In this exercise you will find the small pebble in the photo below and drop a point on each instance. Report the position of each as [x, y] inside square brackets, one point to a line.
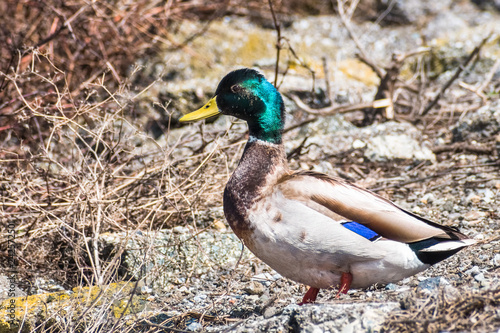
[194, 326]
[433, 283]
[479, 277]
[451, 292]
[270, 311]
[390, 286]
[252, 298]
[482, 257]
[358, 144]
[473, 198]
[473, 271]
[180, 230]
[486, 283]
[146, 290]
[448, 206]
[199, 298]
[479, 237]
[474, 215]
[254, 288]
[427, 198]
[488, 195]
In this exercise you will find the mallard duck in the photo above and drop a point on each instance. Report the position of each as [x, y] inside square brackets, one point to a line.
[310, 227]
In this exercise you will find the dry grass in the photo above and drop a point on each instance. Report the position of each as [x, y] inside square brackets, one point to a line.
[84, 180]
[73, 171]
[473, 311]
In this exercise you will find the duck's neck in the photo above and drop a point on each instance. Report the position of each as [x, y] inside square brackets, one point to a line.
[268, 130]
[260, 167]
[267, 124]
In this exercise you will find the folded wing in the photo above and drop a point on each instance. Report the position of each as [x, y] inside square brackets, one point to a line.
[345, 201]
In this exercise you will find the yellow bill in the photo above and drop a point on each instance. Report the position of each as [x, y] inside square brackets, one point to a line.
[206, 111]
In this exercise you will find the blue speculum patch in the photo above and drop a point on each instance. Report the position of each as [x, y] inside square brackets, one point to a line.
[361, 230]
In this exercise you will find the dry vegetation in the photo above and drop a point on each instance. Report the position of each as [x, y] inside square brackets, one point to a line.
[469, 312]
[69, 170]
[74, 163]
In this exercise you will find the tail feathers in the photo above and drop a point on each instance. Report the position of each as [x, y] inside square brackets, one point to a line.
[450, 232]
[449, 245]
[433, 250]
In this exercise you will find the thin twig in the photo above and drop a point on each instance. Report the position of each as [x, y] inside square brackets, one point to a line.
[363, 55]
[278, 42]
[459, 71]
[334, 109]
[464, 146]
[479, 90]
[327, 78]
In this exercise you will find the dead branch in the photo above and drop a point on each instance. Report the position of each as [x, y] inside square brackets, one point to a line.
[466, 147]
[277, 27]
[335, 109]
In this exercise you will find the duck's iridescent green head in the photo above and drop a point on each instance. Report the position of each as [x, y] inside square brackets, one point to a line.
[247, 95]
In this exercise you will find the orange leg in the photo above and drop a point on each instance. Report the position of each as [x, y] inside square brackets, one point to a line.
[310, 296]
[345, 283]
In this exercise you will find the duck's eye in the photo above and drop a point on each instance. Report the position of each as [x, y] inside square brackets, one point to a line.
[235, 88]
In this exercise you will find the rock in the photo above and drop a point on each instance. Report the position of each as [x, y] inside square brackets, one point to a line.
[479, 277]
[488, 195]
[381, 142]
[448, 206]
[357, 317]
[200, 298]
[252, 298]
[146, 290]
[194, 326]
[444, 22]
[269, 312]
[433, 283]
[472, 198]
[390, 286]
[473, 271]
[266, 278]
[167, 257]
[481, 124]
[396, 147]
[395, 141]
[474, 215]
[254, 288]
[428, 198]
[451, 292]
[324, 167]
[358, 144]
